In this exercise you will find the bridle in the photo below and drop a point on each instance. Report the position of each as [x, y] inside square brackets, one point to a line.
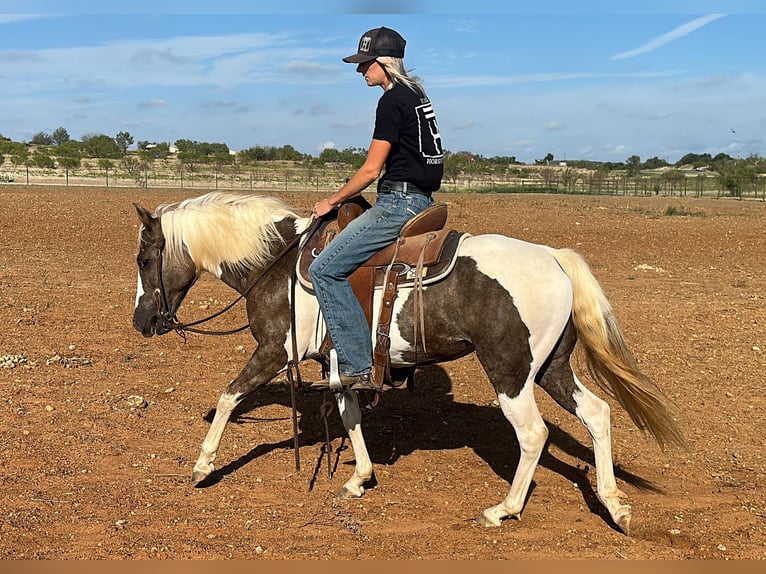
[169, 320]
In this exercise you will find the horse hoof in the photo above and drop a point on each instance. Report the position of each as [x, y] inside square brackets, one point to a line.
[346, 494]
[622, 520]
[200, 475]
[486, 521]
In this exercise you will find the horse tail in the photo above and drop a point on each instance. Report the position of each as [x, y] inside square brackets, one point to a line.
[609, 360]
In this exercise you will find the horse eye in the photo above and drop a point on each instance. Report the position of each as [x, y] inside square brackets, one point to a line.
[142, 263]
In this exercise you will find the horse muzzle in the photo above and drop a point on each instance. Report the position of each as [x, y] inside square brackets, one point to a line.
[149, 321]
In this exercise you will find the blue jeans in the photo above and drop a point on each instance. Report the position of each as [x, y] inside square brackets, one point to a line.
[361, 239]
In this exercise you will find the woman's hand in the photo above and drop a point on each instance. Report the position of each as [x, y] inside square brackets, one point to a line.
[323, 207]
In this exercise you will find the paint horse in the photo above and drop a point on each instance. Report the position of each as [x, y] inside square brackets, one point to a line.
[521, 307]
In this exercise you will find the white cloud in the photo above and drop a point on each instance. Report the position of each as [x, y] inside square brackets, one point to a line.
[220, 61]
[675, 34]
[492, 81]
[11, 18]
[154, 103]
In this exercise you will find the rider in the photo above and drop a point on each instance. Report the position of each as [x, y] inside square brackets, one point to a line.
[406, 141]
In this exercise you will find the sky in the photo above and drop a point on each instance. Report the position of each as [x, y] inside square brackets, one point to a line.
[580, 80]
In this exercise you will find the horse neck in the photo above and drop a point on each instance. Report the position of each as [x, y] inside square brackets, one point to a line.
[278, 266]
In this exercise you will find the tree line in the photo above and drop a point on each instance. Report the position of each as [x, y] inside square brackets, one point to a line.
[59, 150]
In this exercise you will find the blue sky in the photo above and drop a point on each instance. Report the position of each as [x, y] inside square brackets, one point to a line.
[580, 80]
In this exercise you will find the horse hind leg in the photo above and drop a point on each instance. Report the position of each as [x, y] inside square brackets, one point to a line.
[594, 413]
[531, 432]
[561, 383]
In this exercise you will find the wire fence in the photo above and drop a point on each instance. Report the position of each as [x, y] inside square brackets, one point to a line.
[291, 178]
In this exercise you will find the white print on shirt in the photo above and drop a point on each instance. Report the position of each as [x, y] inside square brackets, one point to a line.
[428, 133]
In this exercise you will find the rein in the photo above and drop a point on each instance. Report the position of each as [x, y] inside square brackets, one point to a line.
[170, 320]
[293, 372]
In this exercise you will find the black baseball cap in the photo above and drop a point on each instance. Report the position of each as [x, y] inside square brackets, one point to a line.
[378, 42]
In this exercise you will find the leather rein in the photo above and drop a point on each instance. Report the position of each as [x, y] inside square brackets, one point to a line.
[293, 372]
[168, 319]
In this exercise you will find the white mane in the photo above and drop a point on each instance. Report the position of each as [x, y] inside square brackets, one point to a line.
[219, 229]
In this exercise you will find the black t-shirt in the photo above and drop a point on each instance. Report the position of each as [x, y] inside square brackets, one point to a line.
[407, 120]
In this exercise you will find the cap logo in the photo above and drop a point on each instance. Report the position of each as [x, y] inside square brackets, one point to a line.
[364, 45]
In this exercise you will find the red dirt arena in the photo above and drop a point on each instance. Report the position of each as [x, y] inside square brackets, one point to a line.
[100, 427]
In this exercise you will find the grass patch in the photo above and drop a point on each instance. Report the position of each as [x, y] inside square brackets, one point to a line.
[672, 210]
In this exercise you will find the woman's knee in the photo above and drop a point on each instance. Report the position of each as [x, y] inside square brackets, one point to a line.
[315, 271]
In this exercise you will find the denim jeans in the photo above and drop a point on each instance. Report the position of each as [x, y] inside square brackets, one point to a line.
[363, 237]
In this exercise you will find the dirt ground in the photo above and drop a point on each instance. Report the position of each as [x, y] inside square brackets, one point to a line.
[91, 471]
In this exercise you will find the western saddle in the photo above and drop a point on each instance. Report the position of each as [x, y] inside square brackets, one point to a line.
[424, 253]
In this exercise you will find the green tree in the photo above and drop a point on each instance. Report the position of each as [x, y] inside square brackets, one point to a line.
[106, 164]
[123, 141]
[9, 147]
[42, 138]
[330, 155]
[101, 146]
[455, 164]
[150, 151]
[736, 177]
[255, 154]
[695, 160]
[546, 160]
[42, 160]
[60, 136]
[655, 163]
[20, 156]
[69, 149]
[190, 159]
[633, 165]
[69, 163]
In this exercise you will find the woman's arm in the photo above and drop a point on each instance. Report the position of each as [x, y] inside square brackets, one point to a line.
[364, 176]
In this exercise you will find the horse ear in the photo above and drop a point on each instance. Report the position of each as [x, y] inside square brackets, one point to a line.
[145, 216]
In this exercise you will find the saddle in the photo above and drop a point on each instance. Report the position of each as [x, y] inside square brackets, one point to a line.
[424, 253]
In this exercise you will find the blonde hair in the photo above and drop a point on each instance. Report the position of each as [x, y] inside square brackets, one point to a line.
[394, 67]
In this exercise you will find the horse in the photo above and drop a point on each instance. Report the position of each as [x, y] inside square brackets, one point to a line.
[520, 307]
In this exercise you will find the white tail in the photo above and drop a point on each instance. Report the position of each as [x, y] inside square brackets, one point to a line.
[610, 362]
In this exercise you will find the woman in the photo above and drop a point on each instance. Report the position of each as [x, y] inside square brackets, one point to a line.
[406, 142]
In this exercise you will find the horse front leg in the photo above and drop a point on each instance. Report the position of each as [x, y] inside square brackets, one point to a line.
[226, 405]
[261, 368]
[351, 414]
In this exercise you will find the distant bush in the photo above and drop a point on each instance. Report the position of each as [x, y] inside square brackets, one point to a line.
[682, 211]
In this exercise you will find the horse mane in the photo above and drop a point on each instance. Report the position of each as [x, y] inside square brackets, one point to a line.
[224, 229]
